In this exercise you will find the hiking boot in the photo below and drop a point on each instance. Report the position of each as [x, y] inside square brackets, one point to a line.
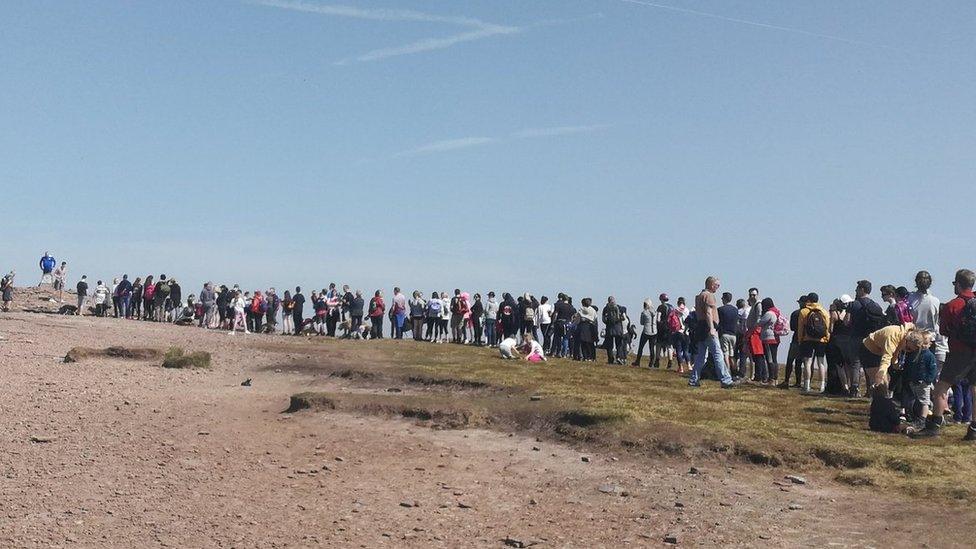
[970, 433]
[732, 385]
[694, 384]
[931, 430]
[784, 385]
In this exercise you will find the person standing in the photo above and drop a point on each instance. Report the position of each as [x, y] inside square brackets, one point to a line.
[728, 322]
[664, 348]
[793, 362]
[417, 305]
[148, 298]
[135, 303]
[586, 332]
[957, 323]
[648, 335]
[356, 306]
[47, 265]
[82, 289]
[706, 312]
[124, 292]
[477, 317]
[273, 303]
[60, 278]
[924, 308]
[544, 320]
[7, 290]
[377, 308]
[614, 330]
[866, 316]
[398, 312]
[297, 311]
[208, 300]
[814, 334]
[491, 317]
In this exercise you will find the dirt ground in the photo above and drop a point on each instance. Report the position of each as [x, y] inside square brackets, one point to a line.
[123, 453]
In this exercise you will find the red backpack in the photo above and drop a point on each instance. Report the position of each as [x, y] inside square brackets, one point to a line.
[675, 324]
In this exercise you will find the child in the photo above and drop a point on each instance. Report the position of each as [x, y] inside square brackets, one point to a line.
[533, 351]
[919, 371]
[507, 348]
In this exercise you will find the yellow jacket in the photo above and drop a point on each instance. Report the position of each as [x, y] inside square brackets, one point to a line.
[812, 308]
[888, 343]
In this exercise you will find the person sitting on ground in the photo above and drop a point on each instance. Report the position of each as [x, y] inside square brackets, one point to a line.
[507, 348]
[533, 350]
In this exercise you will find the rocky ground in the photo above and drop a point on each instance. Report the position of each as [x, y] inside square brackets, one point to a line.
[122, 453]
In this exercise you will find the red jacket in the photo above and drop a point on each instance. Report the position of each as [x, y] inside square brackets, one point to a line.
[377, 307]
[950, 319]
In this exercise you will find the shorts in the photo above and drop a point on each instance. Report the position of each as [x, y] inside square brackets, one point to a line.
[868, 359]
[810, 349]
[728, 343]
[922, 392]
[959, 365]
[59, 284]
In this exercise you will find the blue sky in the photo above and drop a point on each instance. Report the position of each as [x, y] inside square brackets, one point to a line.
[594, 146]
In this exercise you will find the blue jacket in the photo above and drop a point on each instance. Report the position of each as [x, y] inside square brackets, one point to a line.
[920, 366]
[48, 264]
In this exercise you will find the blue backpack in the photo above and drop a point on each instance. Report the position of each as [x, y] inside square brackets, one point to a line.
[434, 307]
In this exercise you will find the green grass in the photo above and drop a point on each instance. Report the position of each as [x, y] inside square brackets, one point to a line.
[176, 358]
[657, 409]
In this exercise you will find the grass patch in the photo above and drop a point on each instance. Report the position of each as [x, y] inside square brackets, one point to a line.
[77, 354]
[177, 358]
[654, 411]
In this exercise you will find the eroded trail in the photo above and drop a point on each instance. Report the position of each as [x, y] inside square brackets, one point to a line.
[112, 452]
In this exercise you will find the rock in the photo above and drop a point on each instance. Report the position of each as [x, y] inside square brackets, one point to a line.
[585, 459]
[671, 539]
[725, 504]
[463, 505]
[608, 488]
[532, 501]
[679, 505]
[409, 503]
[795, 479]
[535, 397]
[695, 471]
[515, 542]
[394, 390]
[43, 439]
[795, 507]
[339, 459]
[763, 536]
[535, 449]
[246, 383]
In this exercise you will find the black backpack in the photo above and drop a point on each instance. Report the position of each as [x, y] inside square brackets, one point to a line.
[967, 324]
[815, 326]
[613, 314]
[874, 318]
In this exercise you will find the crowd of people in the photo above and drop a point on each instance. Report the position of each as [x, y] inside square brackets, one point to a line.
[911, 351]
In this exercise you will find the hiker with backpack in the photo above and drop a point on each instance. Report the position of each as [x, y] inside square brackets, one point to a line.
[433, 317]
[614, 330]
[813, 329]
[866, 315]
[708, 343]
[958, 324]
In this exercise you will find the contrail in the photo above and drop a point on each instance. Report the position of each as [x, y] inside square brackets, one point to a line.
[759, 24]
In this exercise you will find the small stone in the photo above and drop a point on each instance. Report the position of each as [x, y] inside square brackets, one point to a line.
[535, 448]
[671, 539]
[535, 397]
[532, 501]
[463, 505]
[695, 471]
[725, 504]
[42, 439]
[203, 433]
[796, 479]
[679, 505]
[585, 459]
[795, 507]
[394, 390]
[763, 536]
[339, 459]
[409, 503]
[608, 488]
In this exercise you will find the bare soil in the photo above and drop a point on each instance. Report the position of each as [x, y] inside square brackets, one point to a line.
[119, 452]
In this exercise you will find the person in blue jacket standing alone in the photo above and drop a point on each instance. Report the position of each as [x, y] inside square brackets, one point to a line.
[47, 263]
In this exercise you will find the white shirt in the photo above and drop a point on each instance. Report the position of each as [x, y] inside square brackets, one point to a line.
[544, 314]
[507, 345]
[925, 313]
[535, 348]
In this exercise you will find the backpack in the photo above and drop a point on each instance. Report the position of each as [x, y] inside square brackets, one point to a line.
[674, 322]
[613, 314]
[529, 314]
[455, 305]
[782, 326]
[874, 320]
[434, 307]
[967, 324]
[256, 305]
[815, 326]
